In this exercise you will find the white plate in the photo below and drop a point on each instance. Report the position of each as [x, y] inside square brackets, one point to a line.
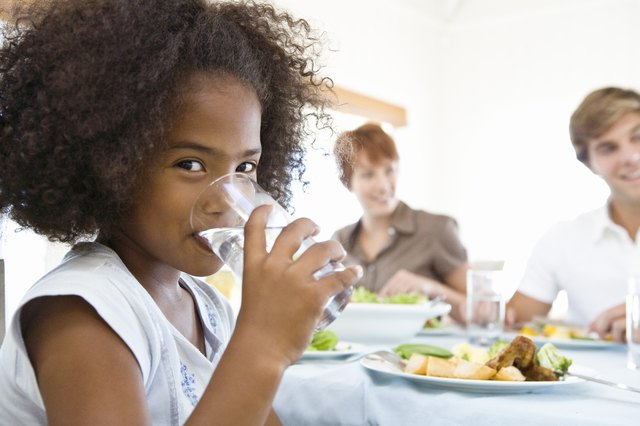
[343, 349]
[568, 343]
[575, 343]
[465, 385]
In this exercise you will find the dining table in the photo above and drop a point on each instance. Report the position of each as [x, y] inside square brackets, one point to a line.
[341, 391]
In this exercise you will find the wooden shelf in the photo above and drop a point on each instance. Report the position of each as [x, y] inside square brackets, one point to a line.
[356, 103]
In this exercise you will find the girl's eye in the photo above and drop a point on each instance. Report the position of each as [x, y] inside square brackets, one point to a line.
[247, 167]
[191, 165]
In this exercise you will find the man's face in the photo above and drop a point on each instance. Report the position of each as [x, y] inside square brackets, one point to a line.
[615, 156]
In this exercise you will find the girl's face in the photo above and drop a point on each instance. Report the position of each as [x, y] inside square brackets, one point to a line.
[374, 184]
[216, 131]
[615, 156]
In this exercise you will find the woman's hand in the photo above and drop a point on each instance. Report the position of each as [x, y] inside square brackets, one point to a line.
[281, 300]
[611, 322]
[404, 281]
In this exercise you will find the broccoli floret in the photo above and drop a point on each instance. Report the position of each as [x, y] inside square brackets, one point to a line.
[550, 357]
[497, 347]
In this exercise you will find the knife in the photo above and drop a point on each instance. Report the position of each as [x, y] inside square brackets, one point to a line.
[604, 382]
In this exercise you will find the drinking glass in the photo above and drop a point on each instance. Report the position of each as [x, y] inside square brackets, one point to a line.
[485, 304]
[633, 323]
[220, 213]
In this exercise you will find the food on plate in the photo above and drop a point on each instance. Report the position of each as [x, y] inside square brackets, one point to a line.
[432, 323]
[468, 352]
[473, 353]
[362, 295]
[549, 356]
[323, 340]
[517, 361]
[407, 349]
[540, 328]
[509, 374]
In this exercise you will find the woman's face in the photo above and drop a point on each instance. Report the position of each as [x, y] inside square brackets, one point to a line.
[374, 184]
[215, 132]
[615, 156]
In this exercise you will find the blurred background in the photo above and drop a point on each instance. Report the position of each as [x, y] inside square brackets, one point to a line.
[476, 93]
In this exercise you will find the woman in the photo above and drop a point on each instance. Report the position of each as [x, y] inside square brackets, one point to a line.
[401, 249]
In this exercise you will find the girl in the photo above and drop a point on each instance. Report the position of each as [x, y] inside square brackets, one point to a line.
[114, 116]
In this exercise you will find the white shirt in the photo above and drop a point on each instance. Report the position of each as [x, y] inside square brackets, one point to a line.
[590, 257]
[175, 373]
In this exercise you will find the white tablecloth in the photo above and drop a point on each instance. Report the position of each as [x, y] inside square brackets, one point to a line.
[346, 394]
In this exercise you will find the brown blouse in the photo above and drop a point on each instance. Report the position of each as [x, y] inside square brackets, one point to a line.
[423, 243]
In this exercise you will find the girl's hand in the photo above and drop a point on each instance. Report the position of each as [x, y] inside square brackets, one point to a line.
[281, 300]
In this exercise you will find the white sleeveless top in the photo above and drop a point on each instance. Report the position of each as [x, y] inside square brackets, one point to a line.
[175, 372]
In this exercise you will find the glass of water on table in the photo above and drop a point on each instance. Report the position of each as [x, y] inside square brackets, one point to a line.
[485, 308]
[220, 213]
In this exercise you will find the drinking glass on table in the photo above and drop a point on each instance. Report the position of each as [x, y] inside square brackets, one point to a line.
[485, 303]
[633, 323]
[228, 201]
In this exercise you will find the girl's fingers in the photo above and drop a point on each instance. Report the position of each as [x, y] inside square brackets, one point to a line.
[292, 237]
[339, 281]
[319, 255]
[254, 235]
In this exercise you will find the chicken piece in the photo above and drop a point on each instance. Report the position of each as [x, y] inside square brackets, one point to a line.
[519, 353]
[536, 373]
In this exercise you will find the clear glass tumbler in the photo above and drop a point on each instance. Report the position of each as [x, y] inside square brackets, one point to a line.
[220, 213]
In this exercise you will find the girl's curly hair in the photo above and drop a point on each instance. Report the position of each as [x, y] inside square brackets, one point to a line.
[86, 88]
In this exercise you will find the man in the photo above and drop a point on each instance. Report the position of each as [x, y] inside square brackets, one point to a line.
[593, 256]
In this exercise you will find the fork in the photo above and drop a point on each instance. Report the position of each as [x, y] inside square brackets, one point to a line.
[381, 355]
[386, 356]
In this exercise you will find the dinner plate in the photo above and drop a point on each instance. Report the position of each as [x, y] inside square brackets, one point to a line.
[343, 349]
[464, 385]
[570, 343]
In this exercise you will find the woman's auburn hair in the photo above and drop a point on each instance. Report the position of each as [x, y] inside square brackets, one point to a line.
[87, 89]
[369, 139]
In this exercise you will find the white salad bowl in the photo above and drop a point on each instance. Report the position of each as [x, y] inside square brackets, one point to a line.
[384, 323]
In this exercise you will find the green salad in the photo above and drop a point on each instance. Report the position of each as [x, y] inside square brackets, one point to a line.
[323, 340]
[362, 295]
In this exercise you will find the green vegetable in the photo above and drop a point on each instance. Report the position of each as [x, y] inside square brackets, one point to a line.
[405, 350]
[433, 323]
[550, 357]
[468, 352]
[497, 347]
[405, 298]
[362, 295]
[324, 340]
